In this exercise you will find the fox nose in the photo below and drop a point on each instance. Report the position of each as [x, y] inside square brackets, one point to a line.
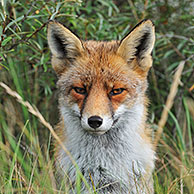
[95, 121]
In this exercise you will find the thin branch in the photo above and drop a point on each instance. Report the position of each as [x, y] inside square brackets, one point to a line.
[133, 9]
[144, 11]
[178, 37]
[35, 112]
[26, 40]
[169, 102]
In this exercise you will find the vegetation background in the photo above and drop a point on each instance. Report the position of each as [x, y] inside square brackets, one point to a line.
[25, 141]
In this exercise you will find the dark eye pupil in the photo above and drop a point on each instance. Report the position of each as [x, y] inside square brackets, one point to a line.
[80, 90]
[116, 91]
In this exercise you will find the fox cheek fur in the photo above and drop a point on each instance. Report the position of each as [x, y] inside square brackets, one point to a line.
[103, 108]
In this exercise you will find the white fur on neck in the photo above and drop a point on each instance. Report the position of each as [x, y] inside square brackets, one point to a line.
[121, 151]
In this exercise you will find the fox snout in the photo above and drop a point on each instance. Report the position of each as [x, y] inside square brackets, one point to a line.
[96, 114]
[95, 122]
[97, 125]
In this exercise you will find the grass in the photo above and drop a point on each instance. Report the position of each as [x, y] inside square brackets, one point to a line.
[26, 162]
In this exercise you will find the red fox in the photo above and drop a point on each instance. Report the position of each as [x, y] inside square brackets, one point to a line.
[103, 109]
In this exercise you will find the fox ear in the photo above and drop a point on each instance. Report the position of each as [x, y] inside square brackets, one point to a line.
[64, 45]
[138, 45]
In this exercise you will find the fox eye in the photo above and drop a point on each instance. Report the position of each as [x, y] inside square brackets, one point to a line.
[80, 90]
[116, 91]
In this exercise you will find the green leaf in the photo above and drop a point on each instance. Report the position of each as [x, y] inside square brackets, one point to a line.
[6, 40]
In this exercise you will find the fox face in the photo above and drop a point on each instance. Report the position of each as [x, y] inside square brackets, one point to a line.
[99, 82]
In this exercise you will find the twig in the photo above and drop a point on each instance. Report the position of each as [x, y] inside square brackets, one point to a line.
[144, 11]
[169, 102]
[26, 40]
[35, 112]
[28, 12]
[133, 9]
[175, 48]
[178, 37]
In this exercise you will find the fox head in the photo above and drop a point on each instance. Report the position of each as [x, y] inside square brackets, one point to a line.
[101, 83]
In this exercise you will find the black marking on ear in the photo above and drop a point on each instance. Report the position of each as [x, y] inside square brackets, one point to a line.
[60, 44]
[136, 27]
[143, 44]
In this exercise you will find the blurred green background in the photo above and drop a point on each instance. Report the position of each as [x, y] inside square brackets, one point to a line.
[25, 163]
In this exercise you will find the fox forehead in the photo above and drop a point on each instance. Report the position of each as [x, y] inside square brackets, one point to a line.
[100, 63]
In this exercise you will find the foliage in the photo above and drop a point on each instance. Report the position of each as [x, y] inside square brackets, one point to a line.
[25, 163]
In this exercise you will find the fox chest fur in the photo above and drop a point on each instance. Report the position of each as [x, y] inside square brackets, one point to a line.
[103, 110]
